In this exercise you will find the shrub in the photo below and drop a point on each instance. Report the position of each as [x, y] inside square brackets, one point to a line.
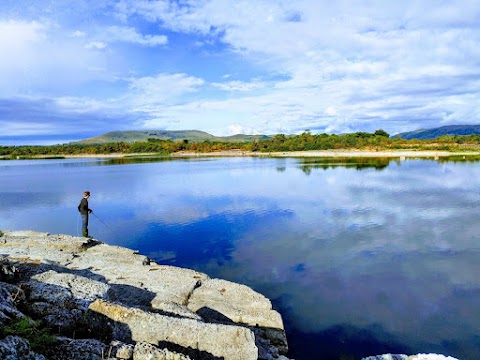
[40, 339]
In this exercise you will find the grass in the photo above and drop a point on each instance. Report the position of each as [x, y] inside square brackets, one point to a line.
[40, 339]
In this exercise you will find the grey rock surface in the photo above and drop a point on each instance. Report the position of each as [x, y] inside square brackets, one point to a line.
[239, 303]
[227, 302]
[81, 349]
[411, 357]
[211, 340]
[82, 287]
[120, 350]
[8, 272]
[8, 295]
[147, 351]
[17, 348]
[387, 357]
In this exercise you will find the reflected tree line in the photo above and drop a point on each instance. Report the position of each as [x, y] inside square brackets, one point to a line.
[377, 141]
[307, 165]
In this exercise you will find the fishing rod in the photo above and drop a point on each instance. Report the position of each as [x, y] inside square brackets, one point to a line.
[103, 222]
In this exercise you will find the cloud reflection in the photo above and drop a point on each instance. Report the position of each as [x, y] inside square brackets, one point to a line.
[394, 252]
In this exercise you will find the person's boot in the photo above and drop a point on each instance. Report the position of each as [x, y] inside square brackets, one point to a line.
[85, 233]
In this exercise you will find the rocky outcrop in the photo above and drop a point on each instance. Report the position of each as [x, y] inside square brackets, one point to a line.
[108, 302]
[411, 357]
[195, 337]
[16, 347]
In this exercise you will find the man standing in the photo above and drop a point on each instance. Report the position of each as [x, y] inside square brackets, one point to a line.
[84, 211]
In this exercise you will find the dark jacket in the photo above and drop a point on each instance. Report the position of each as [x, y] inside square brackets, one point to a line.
[83, 207]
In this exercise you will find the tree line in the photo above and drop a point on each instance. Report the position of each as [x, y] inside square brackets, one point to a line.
[376, 141]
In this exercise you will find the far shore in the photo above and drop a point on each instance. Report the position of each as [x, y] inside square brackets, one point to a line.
[334, 153]
[313, 153]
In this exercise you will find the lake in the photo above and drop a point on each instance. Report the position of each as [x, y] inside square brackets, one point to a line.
[360, 257]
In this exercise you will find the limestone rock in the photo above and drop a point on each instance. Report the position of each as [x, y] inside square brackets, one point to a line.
[37, 247]
[160, 287]
[387, 357]
[412, 357]
[54, 304]
[183, 309]
[128, 324]
[237, 302]
[81, 288]
[82, 349]
[8, 310]
[224, 301]
[430, 357]
[17, 348]
[8, 272]
[145, 351]
[120, 350]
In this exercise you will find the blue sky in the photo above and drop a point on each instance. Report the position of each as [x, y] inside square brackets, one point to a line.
[75, 69]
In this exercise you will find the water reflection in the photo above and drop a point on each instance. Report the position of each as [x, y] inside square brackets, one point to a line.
[148, 159]
[308, 164]
[358, 262]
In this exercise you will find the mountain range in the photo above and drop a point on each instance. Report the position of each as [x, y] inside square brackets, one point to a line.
[131, 136]
[434, 133]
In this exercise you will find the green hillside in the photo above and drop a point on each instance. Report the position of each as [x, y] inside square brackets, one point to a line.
[243, 138]
[451, 130]
[132, 136]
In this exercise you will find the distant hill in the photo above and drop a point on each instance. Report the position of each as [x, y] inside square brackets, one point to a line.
[434, 133]
[131, 136]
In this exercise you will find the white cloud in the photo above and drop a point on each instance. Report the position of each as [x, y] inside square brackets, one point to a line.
[161, 87]
[18, 40]
[327, 66]
[18, 34]
[129, 34]
[22, 128]
[79, 34]
[39, 61]
[332, 52]
[97, 45]
[238, 86]
[234, 129]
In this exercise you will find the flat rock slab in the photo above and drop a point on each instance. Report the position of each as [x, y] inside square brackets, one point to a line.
[162, 285]
[42, 247]
[239, 303]
[213, 340]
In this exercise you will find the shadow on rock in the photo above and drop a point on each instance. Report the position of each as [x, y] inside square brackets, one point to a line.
[269, 341]
[131, 296]
[60, 296]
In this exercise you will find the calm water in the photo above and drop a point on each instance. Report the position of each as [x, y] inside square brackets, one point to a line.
[360, 258]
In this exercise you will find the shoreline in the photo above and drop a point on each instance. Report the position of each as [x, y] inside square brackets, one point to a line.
[239, 153]
[334, 153]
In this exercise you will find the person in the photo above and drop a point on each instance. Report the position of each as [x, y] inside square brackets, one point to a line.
[84, 211]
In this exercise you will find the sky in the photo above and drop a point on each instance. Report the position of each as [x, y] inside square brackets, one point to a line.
[74, 69]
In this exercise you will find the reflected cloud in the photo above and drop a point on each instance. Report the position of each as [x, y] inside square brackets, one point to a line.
[394, 252]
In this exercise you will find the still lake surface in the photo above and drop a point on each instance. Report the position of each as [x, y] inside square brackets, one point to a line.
[361, 257]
